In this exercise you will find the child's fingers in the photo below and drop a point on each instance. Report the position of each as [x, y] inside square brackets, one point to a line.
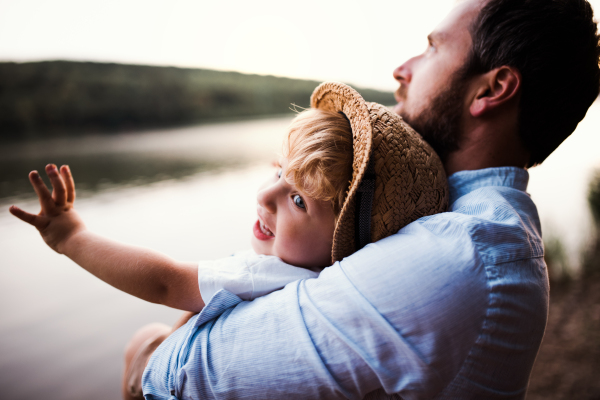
[59, 192]
[41, 190]
[23, 216]
[69, 183]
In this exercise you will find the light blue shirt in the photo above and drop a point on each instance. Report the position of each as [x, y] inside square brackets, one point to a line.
[452, 306]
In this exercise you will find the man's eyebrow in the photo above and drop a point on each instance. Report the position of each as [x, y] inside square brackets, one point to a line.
[436, 37]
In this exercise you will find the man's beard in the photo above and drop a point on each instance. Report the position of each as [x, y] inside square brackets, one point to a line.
[440, 123]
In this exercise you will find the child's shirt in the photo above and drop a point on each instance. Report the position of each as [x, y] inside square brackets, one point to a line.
[247, 275]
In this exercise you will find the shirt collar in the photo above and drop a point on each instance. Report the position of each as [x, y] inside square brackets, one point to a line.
[464, 182]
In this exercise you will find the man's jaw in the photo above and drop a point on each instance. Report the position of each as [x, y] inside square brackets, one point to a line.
[400, 96]
[398, 108]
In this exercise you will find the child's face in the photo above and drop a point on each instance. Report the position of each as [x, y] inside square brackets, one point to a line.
[291, 225]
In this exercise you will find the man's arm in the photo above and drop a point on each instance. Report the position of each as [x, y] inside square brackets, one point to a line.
[138, 271]
[383, 317]
[452, 306]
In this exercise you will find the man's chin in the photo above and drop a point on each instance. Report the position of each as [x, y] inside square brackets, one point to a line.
[401, 111]
[398, 108]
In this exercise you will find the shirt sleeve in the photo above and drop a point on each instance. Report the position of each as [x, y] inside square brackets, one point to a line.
[401, 315]
[247, 275]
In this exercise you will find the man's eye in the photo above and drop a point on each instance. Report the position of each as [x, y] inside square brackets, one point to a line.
[430, 46]
[279, 172]
[298, 201]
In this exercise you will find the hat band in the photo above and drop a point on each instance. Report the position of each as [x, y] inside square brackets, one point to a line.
[363, 208]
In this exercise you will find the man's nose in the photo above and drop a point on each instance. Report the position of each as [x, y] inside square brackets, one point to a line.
[404, 72]
[266, 198]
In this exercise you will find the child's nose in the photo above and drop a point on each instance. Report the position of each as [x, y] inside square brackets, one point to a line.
[266, 198]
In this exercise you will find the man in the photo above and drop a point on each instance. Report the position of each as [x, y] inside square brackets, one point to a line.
[454, 305]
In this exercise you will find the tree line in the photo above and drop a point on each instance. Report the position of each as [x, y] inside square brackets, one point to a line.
[59, 98]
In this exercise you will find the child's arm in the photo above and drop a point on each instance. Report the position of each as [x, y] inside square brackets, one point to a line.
[140, 272]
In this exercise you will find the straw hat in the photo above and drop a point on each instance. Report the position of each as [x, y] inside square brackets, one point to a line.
[397, 178]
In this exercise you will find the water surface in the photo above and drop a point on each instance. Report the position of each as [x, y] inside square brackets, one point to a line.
[189, 193]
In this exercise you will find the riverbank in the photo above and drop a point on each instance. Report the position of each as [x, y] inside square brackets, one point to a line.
[568, 363]
[68, 98]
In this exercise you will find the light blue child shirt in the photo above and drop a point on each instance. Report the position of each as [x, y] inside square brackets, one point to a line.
[452, 306]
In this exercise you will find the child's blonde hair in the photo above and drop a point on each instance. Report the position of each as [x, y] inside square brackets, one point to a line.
[319, 153]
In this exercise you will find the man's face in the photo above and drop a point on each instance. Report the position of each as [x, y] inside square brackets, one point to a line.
[432, 92]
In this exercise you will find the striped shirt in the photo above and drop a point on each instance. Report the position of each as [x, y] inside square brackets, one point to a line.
[452, 306]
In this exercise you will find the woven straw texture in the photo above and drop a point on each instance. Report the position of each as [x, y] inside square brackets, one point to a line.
[410, 180]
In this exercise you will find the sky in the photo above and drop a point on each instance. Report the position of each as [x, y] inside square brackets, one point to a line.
[356, 42]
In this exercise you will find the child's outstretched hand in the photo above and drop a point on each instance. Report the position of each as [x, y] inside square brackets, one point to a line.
[57, 221]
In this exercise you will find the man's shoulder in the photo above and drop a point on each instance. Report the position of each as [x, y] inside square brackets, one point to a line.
[439, 278]
[494, 224]
[502, 223]
[452, 259]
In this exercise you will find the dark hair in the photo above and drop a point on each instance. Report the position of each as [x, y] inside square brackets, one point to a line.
[555, 46]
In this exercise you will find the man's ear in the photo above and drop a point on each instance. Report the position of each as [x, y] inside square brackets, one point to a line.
[496, 88]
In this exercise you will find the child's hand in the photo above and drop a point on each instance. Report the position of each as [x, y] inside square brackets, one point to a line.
[57, 221]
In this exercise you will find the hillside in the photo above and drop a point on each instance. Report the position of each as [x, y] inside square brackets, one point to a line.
[58, 98]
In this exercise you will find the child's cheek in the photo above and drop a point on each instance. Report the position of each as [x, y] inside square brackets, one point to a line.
[307, 248]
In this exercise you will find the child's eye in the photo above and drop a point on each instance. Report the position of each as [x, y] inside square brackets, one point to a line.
[298, 201]
[279, 172]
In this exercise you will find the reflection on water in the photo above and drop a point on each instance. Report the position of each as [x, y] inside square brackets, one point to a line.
[558, 186]
[53, 312]
[56, 314]
[97, 172]
[100, 162]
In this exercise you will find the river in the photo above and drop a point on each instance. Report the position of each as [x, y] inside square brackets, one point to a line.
[189, 193]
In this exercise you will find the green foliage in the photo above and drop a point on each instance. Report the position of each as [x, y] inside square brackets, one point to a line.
[556, 260]
[591, 260]
[591, 257]
[594, 197]
[60, 97]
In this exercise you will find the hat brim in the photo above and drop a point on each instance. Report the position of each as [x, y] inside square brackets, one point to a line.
[410, 181]
[338, 97]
